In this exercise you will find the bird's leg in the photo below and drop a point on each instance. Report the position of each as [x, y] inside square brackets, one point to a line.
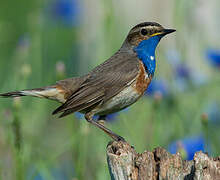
[89, 118]
[101, 120]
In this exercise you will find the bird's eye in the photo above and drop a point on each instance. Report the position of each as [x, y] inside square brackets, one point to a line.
[144, 32]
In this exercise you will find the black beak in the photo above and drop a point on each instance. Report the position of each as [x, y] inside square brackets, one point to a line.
[168, 31]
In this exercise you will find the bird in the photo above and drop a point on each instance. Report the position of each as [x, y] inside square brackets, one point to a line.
[111, 86]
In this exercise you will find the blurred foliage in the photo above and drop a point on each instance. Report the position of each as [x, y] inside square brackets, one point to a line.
[44, 41]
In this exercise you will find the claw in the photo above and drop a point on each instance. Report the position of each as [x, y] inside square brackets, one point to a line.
[119, 138]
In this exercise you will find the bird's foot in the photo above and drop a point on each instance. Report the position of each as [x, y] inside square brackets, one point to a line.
[119, 138]
[102, 122]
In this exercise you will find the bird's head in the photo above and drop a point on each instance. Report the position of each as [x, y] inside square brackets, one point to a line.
[146, 30]
[143, 40]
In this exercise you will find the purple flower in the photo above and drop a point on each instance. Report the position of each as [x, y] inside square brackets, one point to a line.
[66, 12]
[189, 145]
[213, 56]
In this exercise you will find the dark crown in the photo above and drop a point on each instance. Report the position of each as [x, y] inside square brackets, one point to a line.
[144, 31]
[144, 24]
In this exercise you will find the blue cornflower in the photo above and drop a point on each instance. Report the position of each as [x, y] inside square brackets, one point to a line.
[109, 117]
[189, 145]
[182, 71]
[112, 117]
[213, 57]
[79, 115]
[158, 86]
[184, 76]
[180, 68]
[66, 11]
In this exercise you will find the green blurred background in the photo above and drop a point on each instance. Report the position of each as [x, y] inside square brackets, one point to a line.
[42, 41]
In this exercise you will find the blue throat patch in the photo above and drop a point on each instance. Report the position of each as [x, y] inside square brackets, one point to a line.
[146, 52]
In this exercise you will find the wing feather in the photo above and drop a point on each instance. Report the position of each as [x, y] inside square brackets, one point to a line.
[102, 83]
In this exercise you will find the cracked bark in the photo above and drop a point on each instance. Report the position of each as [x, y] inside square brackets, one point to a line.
[126, 164]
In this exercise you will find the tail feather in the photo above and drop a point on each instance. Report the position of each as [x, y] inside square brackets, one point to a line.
[50, 92]
[13, 94]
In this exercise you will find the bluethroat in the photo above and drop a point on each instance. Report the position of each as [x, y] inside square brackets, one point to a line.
[111, 86]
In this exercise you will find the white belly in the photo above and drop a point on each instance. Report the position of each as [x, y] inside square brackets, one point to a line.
[122, 100]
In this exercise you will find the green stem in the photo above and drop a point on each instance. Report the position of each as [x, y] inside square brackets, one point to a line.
[16, 128]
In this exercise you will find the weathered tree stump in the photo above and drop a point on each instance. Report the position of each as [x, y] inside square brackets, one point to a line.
[126, 164]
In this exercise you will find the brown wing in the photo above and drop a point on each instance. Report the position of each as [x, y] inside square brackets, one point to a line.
[104, 82]
[70, 85]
